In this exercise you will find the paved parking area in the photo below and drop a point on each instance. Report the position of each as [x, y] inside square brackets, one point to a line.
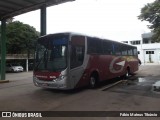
[134, 95]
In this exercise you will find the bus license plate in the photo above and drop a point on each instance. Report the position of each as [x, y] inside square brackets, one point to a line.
[45, 84]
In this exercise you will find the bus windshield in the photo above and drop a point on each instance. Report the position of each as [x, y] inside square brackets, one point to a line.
[51, 53]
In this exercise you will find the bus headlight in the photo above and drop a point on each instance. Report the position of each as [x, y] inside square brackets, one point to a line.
[35, 78]
[61, 77]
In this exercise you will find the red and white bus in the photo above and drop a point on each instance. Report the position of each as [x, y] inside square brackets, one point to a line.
[71, 60]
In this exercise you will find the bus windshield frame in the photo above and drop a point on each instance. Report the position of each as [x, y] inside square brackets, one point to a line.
[51, 53]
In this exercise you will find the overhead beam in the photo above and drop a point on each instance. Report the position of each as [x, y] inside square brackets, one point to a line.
[32, 7]
[7, 8]
[30, 1]
[12, 3]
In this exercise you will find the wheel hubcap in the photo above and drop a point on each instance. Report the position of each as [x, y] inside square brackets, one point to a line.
[92, 81]
[127, 74]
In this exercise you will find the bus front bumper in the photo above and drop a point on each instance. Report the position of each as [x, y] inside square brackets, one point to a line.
[59, 84]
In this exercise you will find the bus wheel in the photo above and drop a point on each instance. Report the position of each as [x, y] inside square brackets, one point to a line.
[93, 81]
[127, 73]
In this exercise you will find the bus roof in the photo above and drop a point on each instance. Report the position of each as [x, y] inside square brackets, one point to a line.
[76, 33]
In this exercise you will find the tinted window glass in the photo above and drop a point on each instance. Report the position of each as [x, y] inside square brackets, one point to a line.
[135, 52]
[107, 47]
[124, 50]
[77, 51]
[51, 53]
[94, 45]
[117, 48]
[130, 51]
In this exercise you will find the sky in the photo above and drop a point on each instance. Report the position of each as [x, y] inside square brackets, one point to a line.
[111, 19]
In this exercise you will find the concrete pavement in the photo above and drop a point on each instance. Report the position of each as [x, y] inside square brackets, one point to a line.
[135, 95]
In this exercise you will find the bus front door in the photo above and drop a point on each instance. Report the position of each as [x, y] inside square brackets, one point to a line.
[77, 52]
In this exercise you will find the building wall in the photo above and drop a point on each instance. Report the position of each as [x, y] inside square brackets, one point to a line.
[148, 52]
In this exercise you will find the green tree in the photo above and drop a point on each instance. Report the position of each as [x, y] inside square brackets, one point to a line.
[20, 38]
[151, 13]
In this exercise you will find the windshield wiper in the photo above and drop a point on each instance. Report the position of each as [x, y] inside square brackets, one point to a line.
[45, 58]
[38, 63]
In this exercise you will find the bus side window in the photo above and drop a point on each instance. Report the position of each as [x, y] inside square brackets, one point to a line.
[130, 51]
[135, 52]
[77, 51]
[94, 45]
[117, 48]
[124, 50]
[107, 47]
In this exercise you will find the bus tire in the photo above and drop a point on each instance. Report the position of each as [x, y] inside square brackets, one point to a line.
[93, 81]
[127, 73]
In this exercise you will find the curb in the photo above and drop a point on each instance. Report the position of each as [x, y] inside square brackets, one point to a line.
[4, 81]
[112, 85]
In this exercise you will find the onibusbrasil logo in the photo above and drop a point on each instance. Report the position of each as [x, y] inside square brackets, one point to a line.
[21, 114]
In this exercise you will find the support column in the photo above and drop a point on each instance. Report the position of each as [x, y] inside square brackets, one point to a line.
[43, 20]
[3, 50]
[27, 65]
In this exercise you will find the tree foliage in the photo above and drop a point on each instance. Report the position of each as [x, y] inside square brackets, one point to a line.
[20, 38]
[151, 13]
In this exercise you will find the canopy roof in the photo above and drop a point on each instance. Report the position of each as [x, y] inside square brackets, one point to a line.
[11, 8]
